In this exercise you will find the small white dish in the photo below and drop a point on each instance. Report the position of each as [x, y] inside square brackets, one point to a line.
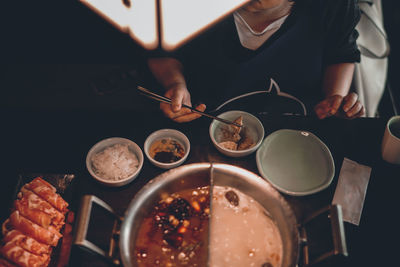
[253, 126]
[109, 142]
[295, 162]
[168, 134]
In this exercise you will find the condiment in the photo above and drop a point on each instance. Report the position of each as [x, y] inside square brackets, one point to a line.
[166, 150]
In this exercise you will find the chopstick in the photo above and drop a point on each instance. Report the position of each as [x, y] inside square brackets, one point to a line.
[164, 99]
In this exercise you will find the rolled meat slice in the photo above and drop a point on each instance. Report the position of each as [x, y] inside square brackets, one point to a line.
[32, 229]
[48, 194]
[21, 257]
[35, 215]
[40, 181]
[26, 242]
[36, 202]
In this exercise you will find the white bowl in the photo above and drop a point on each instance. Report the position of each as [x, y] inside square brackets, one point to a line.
[101, 146]
[253, 126]
[165, 134]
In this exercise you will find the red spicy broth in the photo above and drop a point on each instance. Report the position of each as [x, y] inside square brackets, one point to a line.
[175, 233]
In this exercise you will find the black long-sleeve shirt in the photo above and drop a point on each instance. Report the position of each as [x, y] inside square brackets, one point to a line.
[317, 33]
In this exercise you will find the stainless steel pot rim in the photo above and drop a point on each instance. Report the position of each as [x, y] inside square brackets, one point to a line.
[154, 185]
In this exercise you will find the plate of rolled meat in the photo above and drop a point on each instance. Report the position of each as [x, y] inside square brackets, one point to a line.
[39, 219]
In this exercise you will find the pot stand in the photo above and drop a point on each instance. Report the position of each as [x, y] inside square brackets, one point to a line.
[325, 221]
[95, 213]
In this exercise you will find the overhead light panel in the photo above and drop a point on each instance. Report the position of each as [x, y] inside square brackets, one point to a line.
[163, 24]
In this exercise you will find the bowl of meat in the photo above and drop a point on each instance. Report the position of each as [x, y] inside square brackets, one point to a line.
[236, 141]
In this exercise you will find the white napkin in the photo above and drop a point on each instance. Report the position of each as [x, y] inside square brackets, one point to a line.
[351, 190]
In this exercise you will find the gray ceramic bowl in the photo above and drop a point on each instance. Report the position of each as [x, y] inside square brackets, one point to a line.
[101, 146]
[253, 127]
[295, 162]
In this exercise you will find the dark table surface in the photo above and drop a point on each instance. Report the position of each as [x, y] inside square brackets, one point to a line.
[57, 141]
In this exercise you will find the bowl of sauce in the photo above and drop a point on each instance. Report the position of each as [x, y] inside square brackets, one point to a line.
[167, 148]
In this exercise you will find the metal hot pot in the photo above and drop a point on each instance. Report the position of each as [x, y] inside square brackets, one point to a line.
[294, 236]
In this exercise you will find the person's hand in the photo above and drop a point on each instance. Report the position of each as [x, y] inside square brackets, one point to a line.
[347, 107]
[180, 95]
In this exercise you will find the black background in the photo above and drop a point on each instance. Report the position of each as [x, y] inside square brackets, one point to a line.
[52, 50]
[63, 31]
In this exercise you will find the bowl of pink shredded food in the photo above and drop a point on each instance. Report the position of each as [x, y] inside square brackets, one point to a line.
[115, 161]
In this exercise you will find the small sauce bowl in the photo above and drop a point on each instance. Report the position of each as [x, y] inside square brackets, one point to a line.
[167, 148]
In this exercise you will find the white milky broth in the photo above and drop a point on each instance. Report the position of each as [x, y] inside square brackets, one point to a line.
[241, 233]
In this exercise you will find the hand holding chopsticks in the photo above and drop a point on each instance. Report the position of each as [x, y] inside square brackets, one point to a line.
[167, 100]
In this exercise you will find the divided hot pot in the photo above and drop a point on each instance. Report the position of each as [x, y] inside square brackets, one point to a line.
[297, 238]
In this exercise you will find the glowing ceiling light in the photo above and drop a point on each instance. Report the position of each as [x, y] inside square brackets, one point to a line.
[179, 20]
[184, 19]
[137, 18]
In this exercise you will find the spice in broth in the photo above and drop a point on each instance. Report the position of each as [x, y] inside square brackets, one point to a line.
[175, 233]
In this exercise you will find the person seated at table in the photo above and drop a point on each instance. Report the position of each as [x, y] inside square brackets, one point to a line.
[302, 45]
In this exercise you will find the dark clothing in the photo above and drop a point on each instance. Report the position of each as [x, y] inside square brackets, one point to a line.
[317, 33]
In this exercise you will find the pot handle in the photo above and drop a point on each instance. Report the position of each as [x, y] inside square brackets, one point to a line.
[334, 244]
[94, 211]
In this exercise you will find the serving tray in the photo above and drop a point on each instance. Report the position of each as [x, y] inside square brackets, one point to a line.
[64, 183]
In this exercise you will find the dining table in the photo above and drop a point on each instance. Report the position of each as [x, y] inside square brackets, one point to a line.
[56, 141]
